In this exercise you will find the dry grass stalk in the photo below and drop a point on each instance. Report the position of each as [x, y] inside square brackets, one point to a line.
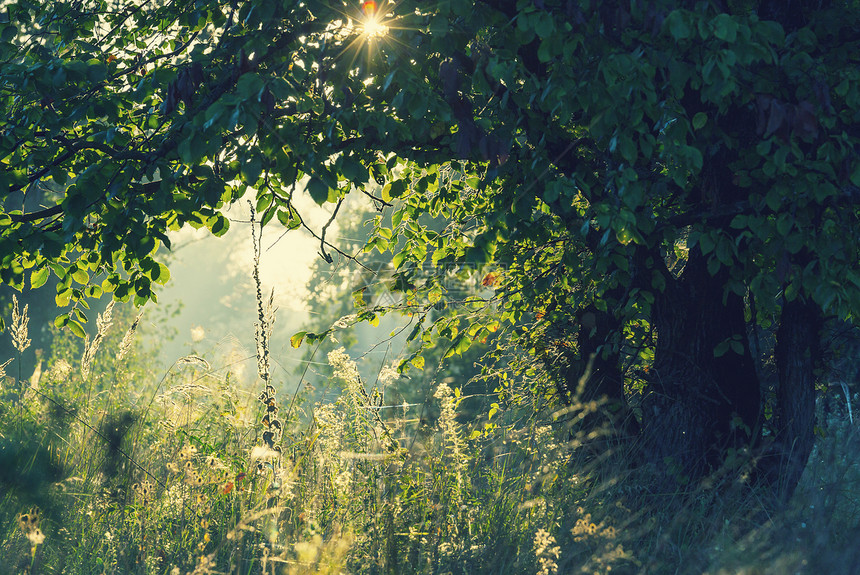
[19, 326]
[125, 344]
[103, 323]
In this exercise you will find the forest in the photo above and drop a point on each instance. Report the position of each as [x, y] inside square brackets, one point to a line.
[447, 287]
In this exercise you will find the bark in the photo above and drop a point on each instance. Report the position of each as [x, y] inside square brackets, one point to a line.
[600, 377]
[598, 365]
[698, 405]
[590, 379]
[797, 355]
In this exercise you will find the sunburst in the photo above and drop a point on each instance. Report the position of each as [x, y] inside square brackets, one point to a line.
[370, 30]
[373, 25]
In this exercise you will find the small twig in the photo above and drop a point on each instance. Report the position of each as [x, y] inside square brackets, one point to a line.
[323, 253]
[382, 203]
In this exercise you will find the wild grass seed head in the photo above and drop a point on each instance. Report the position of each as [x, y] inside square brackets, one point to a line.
[103, 322]
[20, 320]
[125, 344]
[3, 370]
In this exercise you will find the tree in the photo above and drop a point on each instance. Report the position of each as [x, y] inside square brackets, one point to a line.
[655, 179]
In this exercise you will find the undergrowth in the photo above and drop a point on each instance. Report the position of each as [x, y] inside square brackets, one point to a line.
[107, 468]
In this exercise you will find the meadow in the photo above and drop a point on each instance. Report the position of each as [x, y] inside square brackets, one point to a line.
[109, 468]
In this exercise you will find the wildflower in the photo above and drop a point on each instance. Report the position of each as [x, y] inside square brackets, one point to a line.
[144, 490]
[387, 375]
[194, 479]
[36, 537]
[344, 367]
[194, 359]
[28, 523]
[547, 552]
[451, 433]
[61, 370]
[345, 321]
[198, 333]
[341, 482]
[272, 426]
[260, 452]
[187, 452]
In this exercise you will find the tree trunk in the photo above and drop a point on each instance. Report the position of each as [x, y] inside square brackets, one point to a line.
[797, 354]
[698, 404]
[591, 374]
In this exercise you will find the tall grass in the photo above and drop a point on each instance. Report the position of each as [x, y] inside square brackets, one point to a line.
[106, 467]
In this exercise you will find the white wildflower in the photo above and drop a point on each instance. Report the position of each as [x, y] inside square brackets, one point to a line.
[198, 333]
[345, 321]
[387, 375]
[344, 367]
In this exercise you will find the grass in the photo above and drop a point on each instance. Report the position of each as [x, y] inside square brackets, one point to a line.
[106, 467]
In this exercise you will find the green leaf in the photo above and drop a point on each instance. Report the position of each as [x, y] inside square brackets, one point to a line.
[624, 236]
[784, 224]
[39, 277]
[713, 265]
[627, 147]
[76, 328]
[81, 276]
[161, 275]
[296, 339]
[8, 34]
[287, 220]
[677, 25]
[219, 225]
[418, 361]
[191, 149]
[706, 243]
[725, 28]
[699, 120]
[318, 190]
[251, 170]
[393, 190]
[543, 24]
[354, 171]
[855, 175]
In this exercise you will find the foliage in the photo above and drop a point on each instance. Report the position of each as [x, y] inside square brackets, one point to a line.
[134, 121]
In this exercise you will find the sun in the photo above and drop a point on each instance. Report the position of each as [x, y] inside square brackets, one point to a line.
[372, 28]
[372, 25]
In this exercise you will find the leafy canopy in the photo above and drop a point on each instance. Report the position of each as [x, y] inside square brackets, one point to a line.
[579, 146]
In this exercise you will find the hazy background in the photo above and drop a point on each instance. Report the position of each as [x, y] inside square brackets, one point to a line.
[208, 307]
